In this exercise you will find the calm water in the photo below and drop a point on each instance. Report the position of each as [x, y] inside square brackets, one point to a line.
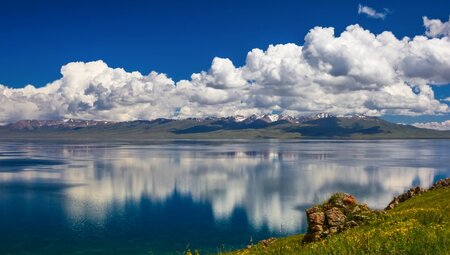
[162, 197]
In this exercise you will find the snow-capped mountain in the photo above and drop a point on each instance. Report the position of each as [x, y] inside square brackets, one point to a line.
[63, 123]
[242, 127]
[323, 115]
[264, 118]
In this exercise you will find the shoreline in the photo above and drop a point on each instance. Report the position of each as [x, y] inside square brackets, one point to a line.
[420, 206]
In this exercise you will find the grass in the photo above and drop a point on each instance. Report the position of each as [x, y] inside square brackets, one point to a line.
[420, 225]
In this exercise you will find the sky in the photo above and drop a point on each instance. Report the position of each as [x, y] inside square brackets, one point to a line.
[199, 58]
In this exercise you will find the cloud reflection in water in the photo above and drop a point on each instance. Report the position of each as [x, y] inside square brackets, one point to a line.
[272, 182]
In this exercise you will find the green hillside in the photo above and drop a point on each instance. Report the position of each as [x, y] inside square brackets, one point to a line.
[420, 225]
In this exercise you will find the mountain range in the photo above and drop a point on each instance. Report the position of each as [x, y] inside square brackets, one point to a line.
[320, 126]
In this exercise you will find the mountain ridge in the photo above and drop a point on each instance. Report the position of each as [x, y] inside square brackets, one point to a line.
[319, 126]
[31, 124]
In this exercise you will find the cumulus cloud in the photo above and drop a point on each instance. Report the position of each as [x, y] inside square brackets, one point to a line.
[436, 28]
[353, 72]
[93, 91]
[444, 125]
[372, 13]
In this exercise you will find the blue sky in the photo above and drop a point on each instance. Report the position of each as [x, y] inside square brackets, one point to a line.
[179, 38]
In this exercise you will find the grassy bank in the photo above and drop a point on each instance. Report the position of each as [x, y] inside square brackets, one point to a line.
[420, 225]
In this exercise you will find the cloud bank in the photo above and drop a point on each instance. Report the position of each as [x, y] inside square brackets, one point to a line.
[444, 125]
[355, 72]
[372, 13]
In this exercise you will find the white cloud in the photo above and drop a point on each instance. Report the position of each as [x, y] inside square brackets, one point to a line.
[436, 28]
[372, 13]
[444, 125]
[354, 72]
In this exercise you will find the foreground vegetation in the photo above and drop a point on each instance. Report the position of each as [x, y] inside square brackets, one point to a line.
[420, 225]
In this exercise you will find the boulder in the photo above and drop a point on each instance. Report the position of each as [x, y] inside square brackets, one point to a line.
[317, 228]
[350, 200]
[333, 230]
[335, 217]
[317, 218]
[340, 212]
[351, 223]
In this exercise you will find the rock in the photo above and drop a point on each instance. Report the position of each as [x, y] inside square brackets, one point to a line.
[335, 217]
[268, 241]
[351, 223]
[412, 192]
[364, 207]
[393, 203]
[317, 218]
[317, 228]
[441, 184]
[342, 212]
[312, 210]
[356, 209]
[350, 200]
[333, 230]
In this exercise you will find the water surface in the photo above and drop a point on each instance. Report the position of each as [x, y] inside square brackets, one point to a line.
[162, 197]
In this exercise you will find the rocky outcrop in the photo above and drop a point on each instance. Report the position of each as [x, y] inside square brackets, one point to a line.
[412, 192]
[340, 212]
[444, 183]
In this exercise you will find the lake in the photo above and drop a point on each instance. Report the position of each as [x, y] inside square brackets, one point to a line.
[164, 196]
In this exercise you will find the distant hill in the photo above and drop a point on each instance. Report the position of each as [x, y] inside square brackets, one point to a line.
[321, 126]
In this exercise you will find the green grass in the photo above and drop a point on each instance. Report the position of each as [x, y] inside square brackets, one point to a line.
[420, 225]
